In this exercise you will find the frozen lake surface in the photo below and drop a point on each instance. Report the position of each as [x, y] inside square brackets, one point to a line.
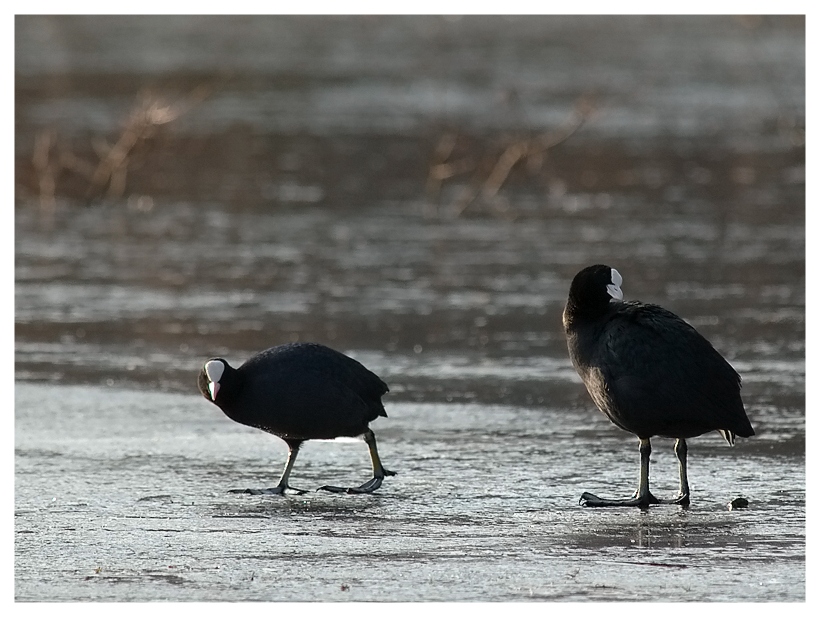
[123, 495]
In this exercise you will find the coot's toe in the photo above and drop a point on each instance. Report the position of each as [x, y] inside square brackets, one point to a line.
[368, 487]
[276, 490]
[588, 500]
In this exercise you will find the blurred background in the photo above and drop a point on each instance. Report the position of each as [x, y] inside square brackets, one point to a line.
[417, 192]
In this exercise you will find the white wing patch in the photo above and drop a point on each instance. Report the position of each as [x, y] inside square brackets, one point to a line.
[214, 370]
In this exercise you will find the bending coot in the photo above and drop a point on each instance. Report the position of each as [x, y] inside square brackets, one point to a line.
[299, 392]
[650, 372]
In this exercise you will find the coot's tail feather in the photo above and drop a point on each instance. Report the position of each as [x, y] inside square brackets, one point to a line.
[729, 436]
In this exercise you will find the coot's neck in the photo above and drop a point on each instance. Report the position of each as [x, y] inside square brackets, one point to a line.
[230, 386]
[576, 313]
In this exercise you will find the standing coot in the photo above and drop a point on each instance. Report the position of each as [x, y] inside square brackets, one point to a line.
[650, 372]
[298, 392]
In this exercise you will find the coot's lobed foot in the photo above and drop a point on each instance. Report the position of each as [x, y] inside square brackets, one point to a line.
[588, 500]
[368, 487]
[276, 490]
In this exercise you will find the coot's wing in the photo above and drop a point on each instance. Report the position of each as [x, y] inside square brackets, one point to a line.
[302, 403]
[665, 378]
[332, 366]
[342, 369]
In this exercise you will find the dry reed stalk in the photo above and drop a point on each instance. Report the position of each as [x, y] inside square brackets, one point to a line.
[532, 150]
[109, 174]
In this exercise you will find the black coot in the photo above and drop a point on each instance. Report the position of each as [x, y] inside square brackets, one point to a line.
[298, 392]
[650, 372]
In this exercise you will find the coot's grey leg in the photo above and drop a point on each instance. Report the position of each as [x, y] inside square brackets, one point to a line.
[643, 498]
[279, 489]
[680, 451]
[379, 471]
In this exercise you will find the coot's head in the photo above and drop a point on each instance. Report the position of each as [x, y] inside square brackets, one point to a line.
[592, 290]
[210, 376]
